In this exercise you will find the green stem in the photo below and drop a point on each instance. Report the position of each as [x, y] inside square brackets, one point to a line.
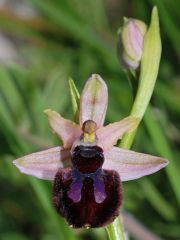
[115, 230]
[148, 74]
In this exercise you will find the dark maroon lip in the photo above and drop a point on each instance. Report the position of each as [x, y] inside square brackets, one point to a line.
[87, 195]
[85, 207]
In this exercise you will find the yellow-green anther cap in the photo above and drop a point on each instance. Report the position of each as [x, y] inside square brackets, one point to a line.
[132, 39]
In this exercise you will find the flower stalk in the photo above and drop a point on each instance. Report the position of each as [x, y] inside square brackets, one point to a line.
[115, 230]
[147, 78]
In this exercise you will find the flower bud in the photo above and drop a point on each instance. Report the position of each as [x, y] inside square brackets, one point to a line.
[132, 38]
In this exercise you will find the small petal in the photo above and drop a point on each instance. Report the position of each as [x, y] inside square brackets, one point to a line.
[110, 134]
[67, 130]
[94, 100]
[132, 165]
[44, 164]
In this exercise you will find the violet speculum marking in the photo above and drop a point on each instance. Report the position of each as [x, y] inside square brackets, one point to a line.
[90, 196]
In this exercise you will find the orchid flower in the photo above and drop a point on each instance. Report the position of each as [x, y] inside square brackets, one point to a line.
[88, 170]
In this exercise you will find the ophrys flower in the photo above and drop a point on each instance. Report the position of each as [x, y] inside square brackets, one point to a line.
[87, 170]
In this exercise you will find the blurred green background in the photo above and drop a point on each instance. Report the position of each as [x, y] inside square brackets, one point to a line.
[42, 43]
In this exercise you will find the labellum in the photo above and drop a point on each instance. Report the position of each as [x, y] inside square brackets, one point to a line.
[87, 195]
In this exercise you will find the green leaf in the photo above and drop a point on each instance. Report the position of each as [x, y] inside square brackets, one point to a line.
[149, 66]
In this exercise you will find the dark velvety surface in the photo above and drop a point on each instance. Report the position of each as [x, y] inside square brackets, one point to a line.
[87, 159]
[87, 211]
